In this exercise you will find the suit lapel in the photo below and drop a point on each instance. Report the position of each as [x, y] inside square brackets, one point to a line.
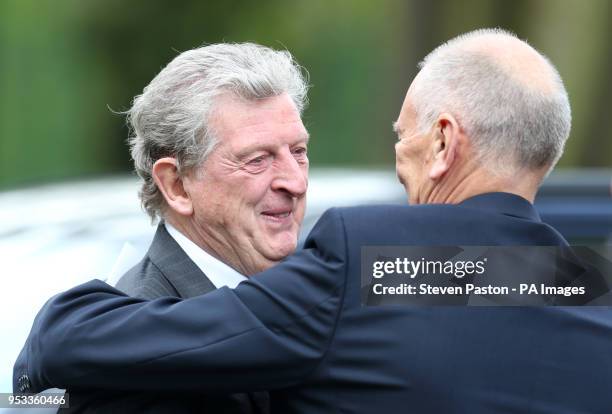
[184, 275]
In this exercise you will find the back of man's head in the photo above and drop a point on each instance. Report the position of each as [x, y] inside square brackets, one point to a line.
[508, 98]
[171, 117]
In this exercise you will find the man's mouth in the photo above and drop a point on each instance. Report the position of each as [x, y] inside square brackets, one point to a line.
[277, 215]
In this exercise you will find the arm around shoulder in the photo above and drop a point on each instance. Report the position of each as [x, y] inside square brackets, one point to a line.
[269, 332]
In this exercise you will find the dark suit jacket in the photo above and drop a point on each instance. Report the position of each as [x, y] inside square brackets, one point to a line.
[166, 270]
[299, 329]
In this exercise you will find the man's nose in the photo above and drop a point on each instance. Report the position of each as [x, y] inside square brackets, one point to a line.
[292, 176]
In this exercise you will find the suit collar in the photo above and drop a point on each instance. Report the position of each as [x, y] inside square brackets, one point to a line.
[504, 203]
[217, 271]
[176, 266]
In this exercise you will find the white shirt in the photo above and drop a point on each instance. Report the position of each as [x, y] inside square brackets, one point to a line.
[217, 272]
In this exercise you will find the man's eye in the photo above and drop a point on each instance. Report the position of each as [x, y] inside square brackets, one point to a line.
[257, 161]
[299, 151]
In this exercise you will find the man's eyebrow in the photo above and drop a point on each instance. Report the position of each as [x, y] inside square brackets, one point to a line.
[302, 138]
[246, 151]
[396, 128]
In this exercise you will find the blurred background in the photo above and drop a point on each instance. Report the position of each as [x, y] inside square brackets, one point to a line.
[68, 203]
[64, 65]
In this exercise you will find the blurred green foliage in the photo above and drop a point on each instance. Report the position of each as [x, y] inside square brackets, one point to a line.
[65, 64]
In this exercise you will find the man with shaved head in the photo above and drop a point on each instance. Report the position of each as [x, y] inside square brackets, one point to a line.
[482, 124]
[490, 108]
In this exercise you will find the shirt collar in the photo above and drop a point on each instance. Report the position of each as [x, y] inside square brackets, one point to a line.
[219, 273]
[504, 203]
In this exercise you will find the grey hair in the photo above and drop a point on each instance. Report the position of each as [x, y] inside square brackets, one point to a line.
[511, 124]
[171, 116]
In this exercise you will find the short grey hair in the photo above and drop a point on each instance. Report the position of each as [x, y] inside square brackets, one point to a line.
[171, 116]
[511, 124]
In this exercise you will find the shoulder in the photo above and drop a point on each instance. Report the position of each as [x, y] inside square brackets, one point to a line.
[377, 218]
[395, 211]
[445, 224]
[146, 281]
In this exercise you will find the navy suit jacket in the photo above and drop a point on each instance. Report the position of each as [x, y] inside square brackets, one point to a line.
[166, 270]
[299, 329]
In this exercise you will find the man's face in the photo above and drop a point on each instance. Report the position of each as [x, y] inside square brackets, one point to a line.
[411, 155]
[250, 194]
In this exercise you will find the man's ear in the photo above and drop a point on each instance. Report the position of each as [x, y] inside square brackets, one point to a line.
[445, 145]
[171, 186]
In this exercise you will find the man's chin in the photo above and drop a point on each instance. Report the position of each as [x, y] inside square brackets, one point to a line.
[281, 249]
[268, 261]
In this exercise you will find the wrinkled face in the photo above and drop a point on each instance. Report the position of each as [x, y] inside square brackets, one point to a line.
[411, 155]
[250, 194]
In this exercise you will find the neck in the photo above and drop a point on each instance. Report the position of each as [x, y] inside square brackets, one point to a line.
[471, 180]
[243, 260]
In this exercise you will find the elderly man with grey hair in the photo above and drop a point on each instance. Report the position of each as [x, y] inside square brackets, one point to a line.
[220, 147]
[482, 124]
